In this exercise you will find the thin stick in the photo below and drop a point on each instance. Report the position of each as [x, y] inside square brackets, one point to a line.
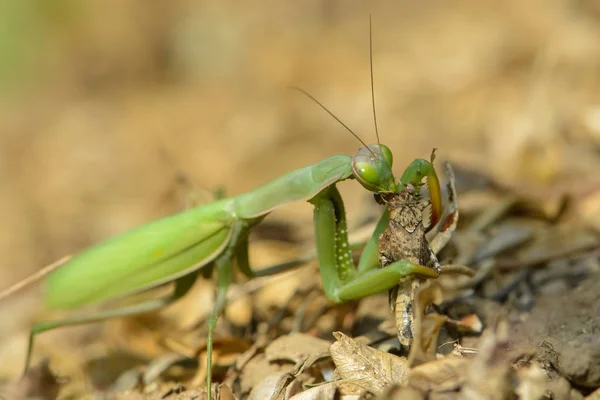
[34, 277]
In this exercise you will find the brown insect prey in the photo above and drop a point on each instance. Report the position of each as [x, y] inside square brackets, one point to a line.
[404, 239]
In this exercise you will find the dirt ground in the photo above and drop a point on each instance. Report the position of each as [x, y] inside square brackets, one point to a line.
[116, 113]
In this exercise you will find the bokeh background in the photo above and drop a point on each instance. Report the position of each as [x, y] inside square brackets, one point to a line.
[104, 104]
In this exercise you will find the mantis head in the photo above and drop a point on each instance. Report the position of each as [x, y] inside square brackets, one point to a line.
[372, 167]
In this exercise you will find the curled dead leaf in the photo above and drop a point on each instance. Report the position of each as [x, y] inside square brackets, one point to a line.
[365, 366]
[426, 327]
[440, 375]
[295, 347]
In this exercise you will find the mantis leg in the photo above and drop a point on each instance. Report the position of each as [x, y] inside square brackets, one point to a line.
[241, 254]
[369, 259]
[341, 280]
[414, 175]
[450, 221]
[182, 286]
[379, 280]
[369, 262]
[331, 235]
[224, 267]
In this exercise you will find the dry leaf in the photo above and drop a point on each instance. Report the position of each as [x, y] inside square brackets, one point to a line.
[439, 375]
[295, 347]
[329, 391]
[267, 387]
[257, 369]
[426, 327]
[224, 392]
[533, 382]
[370, 368]
[38, 384]
[401, 393]
[594, 396]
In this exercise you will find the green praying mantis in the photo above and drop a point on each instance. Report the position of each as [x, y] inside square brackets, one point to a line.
[176, 248]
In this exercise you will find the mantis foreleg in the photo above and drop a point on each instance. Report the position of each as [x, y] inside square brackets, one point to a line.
[341, 280]
[379, 280]
[369, 259]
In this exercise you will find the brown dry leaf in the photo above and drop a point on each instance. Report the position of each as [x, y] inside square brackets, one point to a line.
[192, 309]
[440, 375]
[488, 372]
[172, 391]
[237, 368]
[268, 378]
[561, 389]
[257, 369]
[401, 393]
[141, 335]
[284, 385]
[224, 392]
[239, 307]
[226, 351]
[330, 391]
[427, 327]
[295, 347]
[269, 386]
[370, 368]
[38, 384]
[275, 293]
[594, 396]
[533, 382]
[425, 344]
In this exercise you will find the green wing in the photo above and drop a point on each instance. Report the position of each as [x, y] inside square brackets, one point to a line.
[148, 256]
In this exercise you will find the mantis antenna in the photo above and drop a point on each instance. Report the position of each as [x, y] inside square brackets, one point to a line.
[304, 92]
[372, 80]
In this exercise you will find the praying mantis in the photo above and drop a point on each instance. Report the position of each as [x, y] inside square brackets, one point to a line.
[176, 248]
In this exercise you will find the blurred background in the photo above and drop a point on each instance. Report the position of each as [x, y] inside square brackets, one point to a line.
[104, 104]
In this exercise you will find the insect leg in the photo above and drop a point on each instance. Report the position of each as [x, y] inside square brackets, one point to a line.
[224, 267]
[182, 286]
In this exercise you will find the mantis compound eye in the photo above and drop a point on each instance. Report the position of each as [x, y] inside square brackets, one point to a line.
[387, 154]
[372, 167]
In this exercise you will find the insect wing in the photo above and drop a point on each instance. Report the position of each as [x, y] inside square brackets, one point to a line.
[148, 256]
